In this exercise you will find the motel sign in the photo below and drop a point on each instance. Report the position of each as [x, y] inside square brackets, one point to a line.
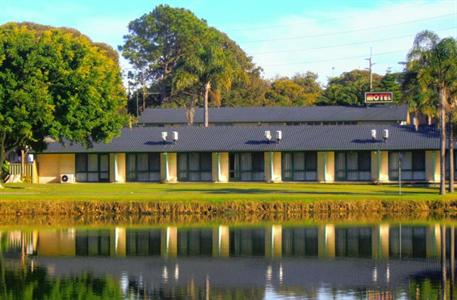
[378, 97]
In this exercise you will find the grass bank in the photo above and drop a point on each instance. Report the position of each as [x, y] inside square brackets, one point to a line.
[210, 192]
[232, 199]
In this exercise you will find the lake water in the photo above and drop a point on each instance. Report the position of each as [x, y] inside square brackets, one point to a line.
[223, 261]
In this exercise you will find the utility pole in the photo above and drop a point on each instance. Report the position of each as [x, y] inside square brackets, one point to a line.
[370, 67]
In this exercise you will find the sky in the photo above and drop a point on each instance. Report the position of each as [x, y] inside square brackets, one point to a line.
[283, 37]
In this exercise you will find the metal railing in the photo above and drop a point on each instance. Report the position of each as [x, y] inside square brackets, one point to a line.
[26, 172]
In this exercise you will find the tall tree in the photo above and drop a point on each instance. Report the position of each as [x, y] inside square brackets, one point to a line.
[248, 93]
[435, 63]
[391, 82]
[349, 88]
[185, 58]
[55, 82]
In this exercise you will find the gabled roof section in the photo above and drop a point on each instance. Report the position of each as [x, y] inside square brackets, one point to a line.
[251, 138]
[390, 113]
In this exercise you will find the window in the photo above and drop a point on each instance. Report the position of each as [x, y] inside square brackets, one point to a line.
[143, 242]
[92, 167]
[247, 166]
[247, 242]
[448, 164]
[300, 242]
[408, 241]
[194, 166]
[353, 165]
[299, 166]
[353, 242]
[410, 163]
[93, 243]
[143, 167]
[195, 242]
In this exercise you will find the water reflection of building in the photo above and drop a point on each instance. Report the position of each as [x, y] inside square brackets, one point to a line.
[332, 241]
[371, 255]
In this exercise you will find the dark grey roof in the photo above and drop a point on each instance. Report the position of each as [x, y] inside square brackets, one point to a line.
[279, 114]
[251, 138]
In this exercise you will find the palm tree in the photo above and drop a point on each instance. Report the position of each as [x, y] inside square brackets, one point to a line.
[435, 61]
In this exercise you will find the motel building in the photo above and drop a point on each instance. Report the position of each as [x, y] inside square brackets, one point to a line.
[327, 144]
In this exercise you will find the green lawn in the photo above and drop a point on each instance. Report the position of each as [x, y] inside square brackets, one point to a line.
[216, 192]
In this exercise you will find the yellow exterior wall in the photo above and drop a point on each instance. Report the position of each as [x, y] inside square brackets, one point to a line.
[120, 157]
[50, 166]
[56, 243]
[384, 240]
[326, 166]
[273, 241]
[433, 240]
[384, 174]
[326, 241]
[432, 166]
[121, 167]
[224, 176]
[223, 168]
[221, 241]
[169, 241]
[277, 162]
[35, 176]
[121, 241]
[380, 241]
[172, 174]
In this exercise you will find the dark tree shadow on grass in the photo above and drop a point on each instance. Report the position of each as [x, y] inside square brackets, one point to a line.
[290, 192]
[14, 187]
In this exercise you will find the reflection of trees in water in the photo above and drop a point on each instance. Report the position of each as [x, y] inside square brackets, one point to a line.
[191, 291]
[430, 286]
[25, 282]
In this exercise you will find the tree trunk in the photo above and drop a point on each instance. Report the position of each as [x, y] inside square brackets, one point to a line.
[2, 158]
[442, 142]
[190, 112]
[443, 261]
[451, 155]
[207, 89]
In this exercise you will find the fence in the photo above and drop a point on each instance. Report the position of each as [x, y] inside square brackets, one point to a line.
[26, 174]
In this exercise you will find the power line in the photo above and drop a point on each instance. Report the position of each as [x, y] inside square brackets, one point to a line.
[336, 59]
[346, 31]
[309, 17]
[344, 45]
[370, 67]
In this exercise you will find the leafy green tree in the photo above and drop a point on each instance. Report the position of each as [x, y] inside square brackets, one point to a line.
[309, 83]
[349, 88]
[300, 90]
[27, 283]
[55, 82]
[434, 62]
[184, 58]
[391, 82]
[248, 93]
[419, 101]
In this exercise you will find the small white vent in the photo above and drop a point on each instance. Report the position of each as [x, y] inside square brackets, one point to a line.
[268, 135]
[164, 136]
[278, 135]
[385, 134]
[373, 134]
